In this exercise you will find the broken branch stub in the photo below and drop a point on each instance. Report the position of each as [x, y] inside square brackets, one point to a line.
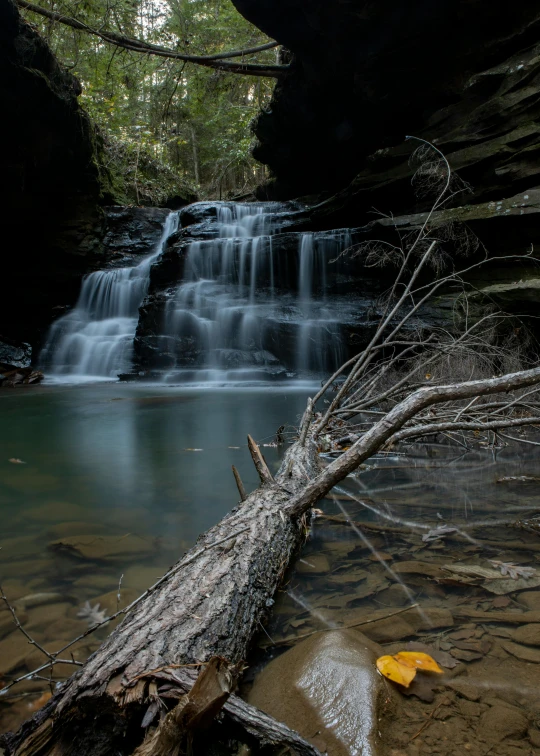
[259, 461]
[194, 711]
[239, 484]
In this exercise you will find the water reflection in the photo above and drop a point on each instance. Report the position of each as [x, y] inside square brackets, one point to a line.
[434, 529]
[127, 454]
[110, 483]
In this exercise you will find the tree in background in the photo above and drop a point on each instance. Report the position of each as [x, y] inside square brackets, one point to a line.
[191, 119]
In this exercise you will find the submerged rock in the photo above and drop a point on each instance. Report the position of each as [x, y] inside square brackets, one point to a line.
[528, 634]
[97, 547]
[329, 690]
[502, 721]
[525, 653]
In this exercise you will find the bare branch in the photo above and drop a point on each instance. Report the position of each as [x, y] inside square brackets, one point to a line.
[393, 421]
[140, 46]
[416, 431]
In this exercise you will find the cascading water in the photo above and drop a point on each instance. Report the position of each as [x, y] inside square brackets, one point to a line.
[255, 302]
[243, 312]
[95, 339]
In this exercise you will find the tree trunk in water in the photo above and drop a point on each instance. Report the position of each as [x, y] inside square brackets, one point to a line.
[212, 602]
[211, 605]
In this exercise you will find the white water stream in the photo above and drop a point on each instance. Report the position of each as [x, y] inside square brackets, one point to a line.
[242, 305]
[243, 311]
[95, 339]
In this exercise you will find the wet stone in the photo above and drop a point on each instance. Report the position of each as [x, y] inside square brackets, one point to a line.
[66, 529]
[531, 599]
[15, 651]
[350, 576]
[97, 582]
[39, 617]
[392, 629]
[418, 568]
[468, 690]
[534, 737]
[470, 708]
[312, 564]
[32, 600]
[501, 722]
[7, 625]
[64, 629]
[109, 603]
[103, 547]
[328, 689]
[528, 634]
[396, 595]
[56, 511]
[140, 577]
[525, 653]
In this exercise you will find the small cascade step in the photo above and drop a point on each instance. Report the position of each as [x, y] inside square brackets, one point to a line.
[95, 339]
[253, 299]
[244, 299]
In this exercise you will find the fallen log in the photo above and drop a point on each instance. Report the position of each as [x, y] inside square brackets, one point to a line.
[211, 604]
[213, 600]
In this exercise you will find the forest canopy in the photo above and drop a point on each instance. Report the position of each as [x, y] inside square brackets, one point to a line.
[190, 119]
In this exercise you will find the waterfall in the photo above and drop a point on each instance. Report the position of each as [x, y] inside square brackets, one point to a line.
[255, 302]
[95, 339]
[244, 312]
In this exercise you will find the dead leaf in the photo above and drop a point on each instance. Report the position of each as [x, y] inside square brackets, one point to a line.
[418, 660]
[423, 687]
[401, 668]
[15, 461]
[395, 671]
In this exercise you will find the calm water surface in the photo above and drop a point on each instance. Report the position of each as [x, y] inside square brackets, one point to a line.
[104, 482]
[120, 480]
[153, 460]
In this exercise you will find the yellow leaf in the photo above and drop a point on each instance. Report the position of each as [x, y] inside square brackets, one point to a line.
[418, 660]
[401, 668]
[395, 670]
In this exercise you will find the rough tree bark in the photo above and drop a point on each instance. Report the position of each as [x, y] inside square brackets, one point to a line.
[211, 605]
[214, 599]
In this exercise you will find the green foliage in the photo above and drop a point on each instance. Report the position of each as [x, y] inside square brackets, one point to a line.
[192, 120]
[134, 177]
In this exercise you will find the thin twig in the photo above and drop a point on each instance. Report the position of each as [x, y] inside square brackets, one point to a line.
[293, 639]
[53, 657]
[29, 638]
[428, 720]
